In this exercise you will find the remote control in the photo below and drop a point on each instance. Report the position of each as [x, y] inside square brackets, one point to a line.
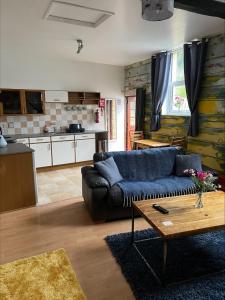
[160, 209]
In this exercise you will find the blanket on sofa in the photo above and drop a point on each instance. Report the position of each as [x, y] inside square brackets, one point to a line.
[149, 174]
[163, 187]
[147, 164]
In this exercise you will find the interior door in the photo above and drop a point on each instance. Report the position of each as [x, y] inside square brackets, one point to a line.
[130, 119]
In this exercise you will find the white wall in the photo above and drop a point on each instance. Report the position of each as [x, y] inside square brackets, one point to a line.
[21, 69]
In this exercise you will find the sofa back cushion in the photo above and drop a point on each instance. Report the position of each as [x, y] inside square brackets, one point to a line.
[147, 164]
[185, 162]
[109, 170]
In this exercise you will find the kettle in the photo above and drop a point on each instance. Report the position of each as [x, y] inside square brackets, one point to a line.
[75, 128]
[3, 142]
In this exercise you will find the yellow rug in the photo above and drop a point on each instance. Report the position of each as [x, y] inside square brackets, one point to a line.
[48, 276]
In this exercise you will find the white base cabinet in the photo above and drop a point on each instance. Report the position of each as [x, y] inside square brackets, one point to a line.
[60, 150]
[63, 153]
[42, 154]
[85, 149]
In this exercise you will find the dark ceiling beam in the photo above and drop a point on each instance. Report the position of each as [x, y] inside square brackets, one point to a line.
[204, 7]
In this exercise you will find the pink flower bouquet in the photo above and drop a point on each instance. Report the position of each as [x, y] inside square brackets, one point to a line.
[204, 181]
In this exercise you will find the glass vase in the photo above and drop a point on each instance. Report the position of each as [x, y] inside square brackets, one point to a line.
[199, 202]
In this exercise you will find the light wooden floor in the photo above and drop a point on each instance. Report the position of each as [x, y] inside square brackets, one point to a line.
[66, 224]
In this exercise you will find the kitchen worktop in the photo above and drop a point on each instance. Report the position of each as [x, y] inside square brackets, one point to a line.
[22, 136]
[15, 149]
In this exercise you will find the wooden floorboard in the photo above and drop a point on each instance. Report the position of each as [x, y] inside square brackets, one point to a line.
[67, 224]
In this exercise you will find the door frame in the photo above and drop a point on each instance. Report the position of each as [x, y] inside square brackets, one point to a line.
[126, 120]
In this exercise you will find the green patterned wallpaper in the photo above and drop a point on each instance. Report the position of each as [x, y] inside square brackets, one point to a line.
[210, 142]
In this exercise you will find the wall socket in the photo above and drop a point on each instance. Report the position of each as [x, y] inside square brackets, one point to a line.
[10, 125]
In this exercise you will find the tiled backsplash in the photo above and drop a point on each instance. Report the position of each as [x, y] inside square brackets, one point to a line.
[56, 116]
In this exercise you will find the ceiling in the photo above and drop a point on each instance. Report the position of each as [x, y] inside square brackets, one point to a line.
[122, 39]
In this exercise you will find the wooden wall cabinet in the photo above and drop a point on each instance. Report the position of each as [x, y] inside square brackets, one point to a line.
[11, 102]
[34, 102]
[21, 102]
[56, 96]
[84, 98]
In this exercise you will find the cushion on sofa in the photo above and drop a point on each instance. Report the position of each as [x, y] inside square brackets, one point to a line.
[109, 170]
[184, 162]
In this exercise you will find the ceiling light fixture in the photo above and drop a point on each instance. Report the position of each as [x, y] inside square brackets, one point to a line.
[80, 46]
[157, 10]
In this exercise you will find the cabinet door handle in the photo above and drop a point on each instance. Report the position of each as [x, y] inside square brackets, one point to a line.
[49, 147]
[73, 145]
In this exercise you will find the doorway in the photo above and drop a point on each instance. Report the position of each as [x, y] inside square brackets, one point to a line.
[130, 118]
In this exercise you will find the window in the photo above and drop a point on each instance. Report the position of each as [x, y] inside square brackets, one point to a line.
[176, 102]
[111, 120]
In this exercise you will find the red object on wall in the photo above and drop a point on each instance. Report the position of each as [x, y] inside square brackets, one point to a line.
[97, 116]
[101, 104]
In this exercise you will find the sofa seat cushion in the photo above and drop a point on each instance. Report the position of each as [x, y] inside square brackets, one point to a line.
[162, 187]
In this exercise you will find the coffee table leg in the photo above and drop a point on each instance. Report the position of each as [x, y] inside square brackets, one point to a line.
[132, 225]
[165, 246]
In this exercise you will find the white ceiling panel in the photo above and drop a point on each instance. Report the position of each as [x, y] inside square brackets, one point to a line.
[122, 39]
[72, 13]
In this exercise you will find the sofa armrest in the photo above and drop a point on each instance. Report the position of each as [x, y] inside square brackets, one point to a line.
[93, 179]
[95, 190]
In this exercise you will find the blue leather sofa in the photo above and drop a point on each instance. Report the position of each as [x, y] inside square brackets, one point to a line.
[149, 170]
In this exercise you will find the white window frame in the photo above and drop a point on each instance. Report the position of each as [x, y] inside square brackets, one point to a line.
[168, 103]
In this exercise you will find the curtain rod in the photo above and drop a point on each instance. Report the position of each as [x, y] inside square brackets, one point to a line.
[180, 47]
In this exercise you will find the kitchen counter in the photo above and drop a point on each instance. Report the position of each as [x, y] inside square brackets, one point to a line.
[53, 149]
[33, 135]
[15, 149]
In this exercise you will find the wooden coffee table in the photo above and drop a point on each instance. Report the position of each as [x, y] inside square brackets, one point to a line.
[182, 220]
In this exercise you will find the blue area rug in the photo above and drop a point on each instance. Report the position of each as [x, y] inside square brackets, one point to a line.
[187, 257]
